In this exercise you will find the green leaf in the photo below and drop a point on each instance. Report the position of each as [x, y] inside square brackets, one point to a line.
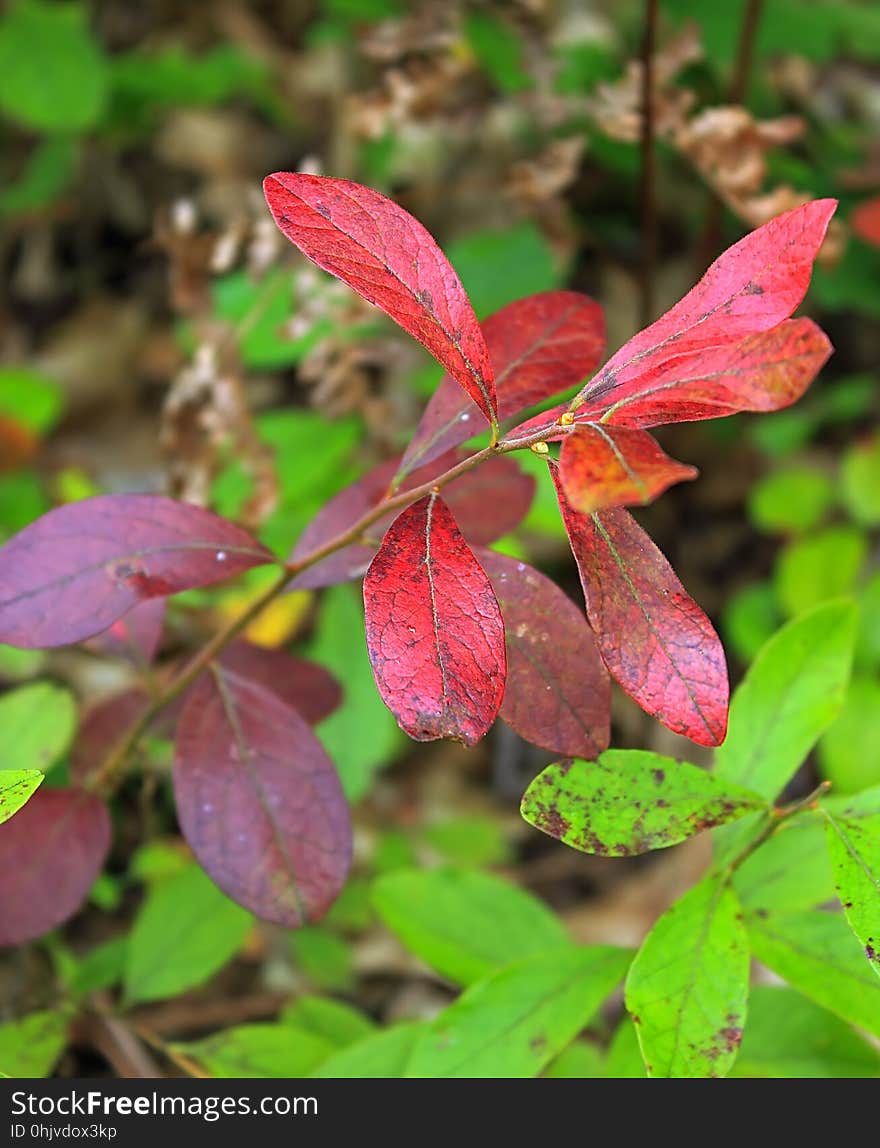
[750, 618]
[384, 1054]
[462, 923]
[822, 566]
[102, 968]
[817, 954]
[856, 806]
[38, 723]
[54, 73]
[362, 735]
[793, 690]
[498, 267]
[49, 169]
[145, 81]
[158, 859]
[352, 911]
[260, 312]
[16, 787]
[498, 50]
[513, 1023]
[470, 840]
[19, 665]
[22, 499]
[630, 802]
[789, 1037]
[30, 399]
[849, 752]
[854, 849]
[259, 1050]
[688, 985]
[791, 500]
[788, 872]
[860, 481]
[579, 1061]
[333, 1021]
[186, 931]
[323, 958]
[30, 1046]
[624, 1060]
[868, 645]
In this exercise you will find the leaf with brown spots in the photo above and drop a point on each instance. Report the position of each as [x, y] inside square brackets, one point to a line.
[689, 983]
[17, 786]
[259, 801]
[51, 851]
[434, 630]
[855, 858]
[654, 638]
[609, 466]
[79, 568]
[387, 256]
[557, 694]
[630, 802]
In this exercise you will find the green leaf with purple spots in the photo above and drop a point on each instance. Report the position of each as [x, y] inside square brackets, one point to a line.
[16, 787]
[688, 986]
[854, 848]
[631, 801]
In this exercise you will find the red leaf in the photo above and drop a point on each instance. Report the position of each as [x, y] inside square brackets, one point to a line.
[259, 801]
[539, 346]
[557, 694]
[434, 630]
[751, 287]
[654, 638]
[136, 636]
[488, 502]
[103, 726]
[389, 258]
[51, 851]
[763, 372]
[77, 569]
[865, 221]
[607, 466]
[304, 686]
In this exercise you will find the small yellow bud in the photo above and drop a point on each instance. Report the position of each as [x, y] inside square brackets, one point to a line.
[566, 420]
[540, 448]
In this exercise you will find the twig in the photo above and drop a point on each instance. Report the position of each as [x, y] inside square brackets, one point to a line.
[182, 1017]
[710, 241]
[649, 169]
[104, 780]
[111, 1036]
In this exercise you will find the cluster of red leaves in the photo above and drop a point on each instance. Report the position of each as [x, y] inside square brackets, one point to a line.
[456, 633]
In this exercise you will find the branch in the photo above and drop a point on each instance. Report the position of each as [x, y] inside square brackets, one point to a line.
[649, 169]
[104, 780]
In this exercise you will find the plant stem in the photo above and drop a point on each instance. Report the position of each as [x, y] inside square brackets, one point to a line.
[649, 172]
[105, 778]
[774, 818]
[710, 241]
